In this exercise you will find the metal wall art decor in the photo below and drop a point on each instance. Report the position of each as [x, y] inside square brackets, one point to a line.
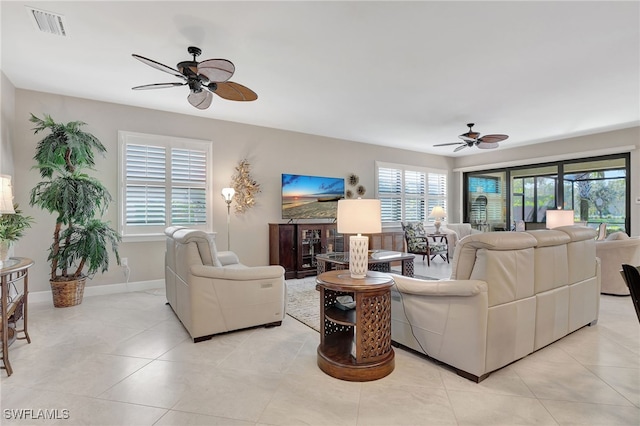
[359, 189]
[245, 186]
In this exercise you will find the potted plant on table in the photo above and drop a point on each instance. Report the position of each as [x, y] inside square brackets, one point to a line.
[12, 226]
[80, 238]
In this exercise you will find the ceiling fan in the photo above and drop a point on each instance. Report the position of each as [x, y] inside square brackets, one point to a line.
[472, 138]
[203, 78]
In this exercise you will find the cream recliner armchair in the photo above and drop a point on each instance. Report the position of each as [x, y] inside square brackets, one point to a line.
[616, 249]
[510, 293]
[212, 292]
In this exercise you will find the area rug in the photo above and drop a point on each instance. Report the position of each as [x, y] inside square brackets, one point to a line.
[303, 301]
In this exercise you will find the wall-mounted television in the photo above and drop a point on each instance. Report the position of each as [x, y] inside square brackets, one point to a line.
[310, 197]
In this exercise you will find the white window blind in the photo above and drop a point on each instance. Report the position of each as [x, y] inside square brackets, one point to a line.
[408, 193]
[164, 182]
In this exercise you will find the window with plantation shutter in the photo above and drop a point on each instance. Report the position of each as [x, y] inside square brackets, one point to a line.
[408, 193]
[164, 182]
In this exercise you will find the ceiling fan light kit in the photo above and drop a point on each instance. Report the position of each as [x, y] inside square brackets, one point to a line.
[472, 138]
[203, 78]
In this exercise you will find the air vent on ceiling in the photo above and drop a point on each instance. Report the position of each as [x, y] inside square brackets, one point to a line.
[48, 22]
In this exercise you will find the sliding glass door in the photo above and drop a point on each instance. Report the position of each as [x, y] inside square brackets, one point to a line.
[597, 189]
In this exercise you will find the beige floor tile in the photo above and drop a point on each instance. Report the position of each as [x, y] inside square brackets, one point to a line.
[568, 382]
[148, 344]
[211, 351]
[578, 414]
[161, 383]
[413, 370]
[626, 381]
[173, 418]
[236, 394]
[40, 407]
[502, 382]
[316, 400]
[383, 405]
[472, 408]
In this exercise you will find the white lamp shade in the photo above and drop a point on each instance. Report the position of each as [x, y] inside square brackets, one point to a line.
[438, 211]
[556, 218]
[359, 216]
[228, 193]
[6, 195]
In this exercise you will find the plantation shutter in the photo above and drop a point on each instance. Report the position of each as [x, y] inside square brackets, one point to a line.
[415, 190]
[408, 193]
[390, 194]
[164, 182]
[437, 183]
[188, 187]
[145, 185]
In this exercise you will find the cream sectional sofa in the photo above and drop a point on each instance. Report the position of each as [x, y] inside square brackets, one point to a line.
[211, 292]
[510, 293]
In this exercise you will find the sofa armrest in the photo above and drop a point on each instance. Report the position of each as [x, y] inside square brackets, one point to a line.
[228, 258]
[422, 287]
[238, 274]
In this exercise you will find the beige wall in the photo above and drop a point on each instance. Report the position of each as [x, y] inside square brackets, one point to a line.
[7, 105]
[271, 152]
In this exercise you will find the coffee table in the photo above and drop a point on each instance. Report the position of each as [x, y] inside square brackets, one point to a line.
[379, 260]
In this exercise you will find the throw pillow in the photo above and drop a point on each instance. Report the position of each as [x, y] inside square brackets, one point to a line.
[617, 236]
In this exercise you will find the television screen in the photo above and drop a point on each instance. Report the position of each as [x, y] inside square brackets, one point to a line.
[310, 197]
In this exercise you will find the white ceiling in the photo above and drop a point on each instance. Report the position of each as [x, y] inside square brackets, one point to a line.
[402, 74]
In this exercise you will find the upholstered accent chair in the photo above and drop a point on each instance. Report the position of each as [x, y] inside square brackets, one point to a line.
[459, 231]
[417, 241]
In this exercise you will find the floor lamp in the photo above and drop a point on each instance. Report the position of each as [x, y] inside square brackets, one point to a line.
[227, 194]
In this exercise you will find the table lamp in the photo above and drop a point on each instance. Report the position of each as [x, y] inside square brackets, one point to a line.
[6, 195]
[359, 217]
[438, 213]
[556, 218]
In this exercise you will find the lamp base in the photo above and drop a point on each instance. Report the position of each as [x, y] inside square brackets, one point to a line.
[358, 256]
[437, 226]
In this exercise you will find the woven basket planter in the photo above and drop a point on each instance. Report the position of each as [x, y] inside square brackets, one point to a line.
[67, 293]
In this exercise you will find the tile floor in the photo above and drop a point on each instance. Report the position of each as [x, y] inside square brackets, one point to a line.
[124, 359]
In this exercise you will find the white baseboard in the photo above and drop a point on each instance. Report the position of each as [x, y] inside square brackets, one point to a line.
[100, 290]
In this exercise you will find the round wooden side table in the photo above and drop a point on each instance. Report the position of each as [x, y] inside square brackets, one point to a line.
[355, 344]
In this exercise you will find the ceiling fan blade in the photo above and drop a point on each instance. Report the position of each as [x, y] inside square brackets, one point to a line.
[492, 138]
[234, 91]
[216, 70]
[485, 145]
[159, 66]
[157, 86]
[201, 99]
[448, 144]
[459, 148]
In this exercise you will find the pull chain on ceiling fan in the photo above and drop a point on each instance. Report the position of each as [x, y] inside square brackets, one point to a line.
[203, 78]
[472, 138]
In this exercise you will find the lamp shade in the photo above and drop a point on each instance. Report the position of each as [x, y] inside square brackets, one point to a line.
[438, 211]
[6, 195]
[556, 218]
[359, 216]
[228, 193]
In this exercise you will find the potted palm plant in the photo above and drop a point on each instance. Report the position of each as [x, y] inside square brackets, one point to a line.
[12, 226]
[81, 240]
